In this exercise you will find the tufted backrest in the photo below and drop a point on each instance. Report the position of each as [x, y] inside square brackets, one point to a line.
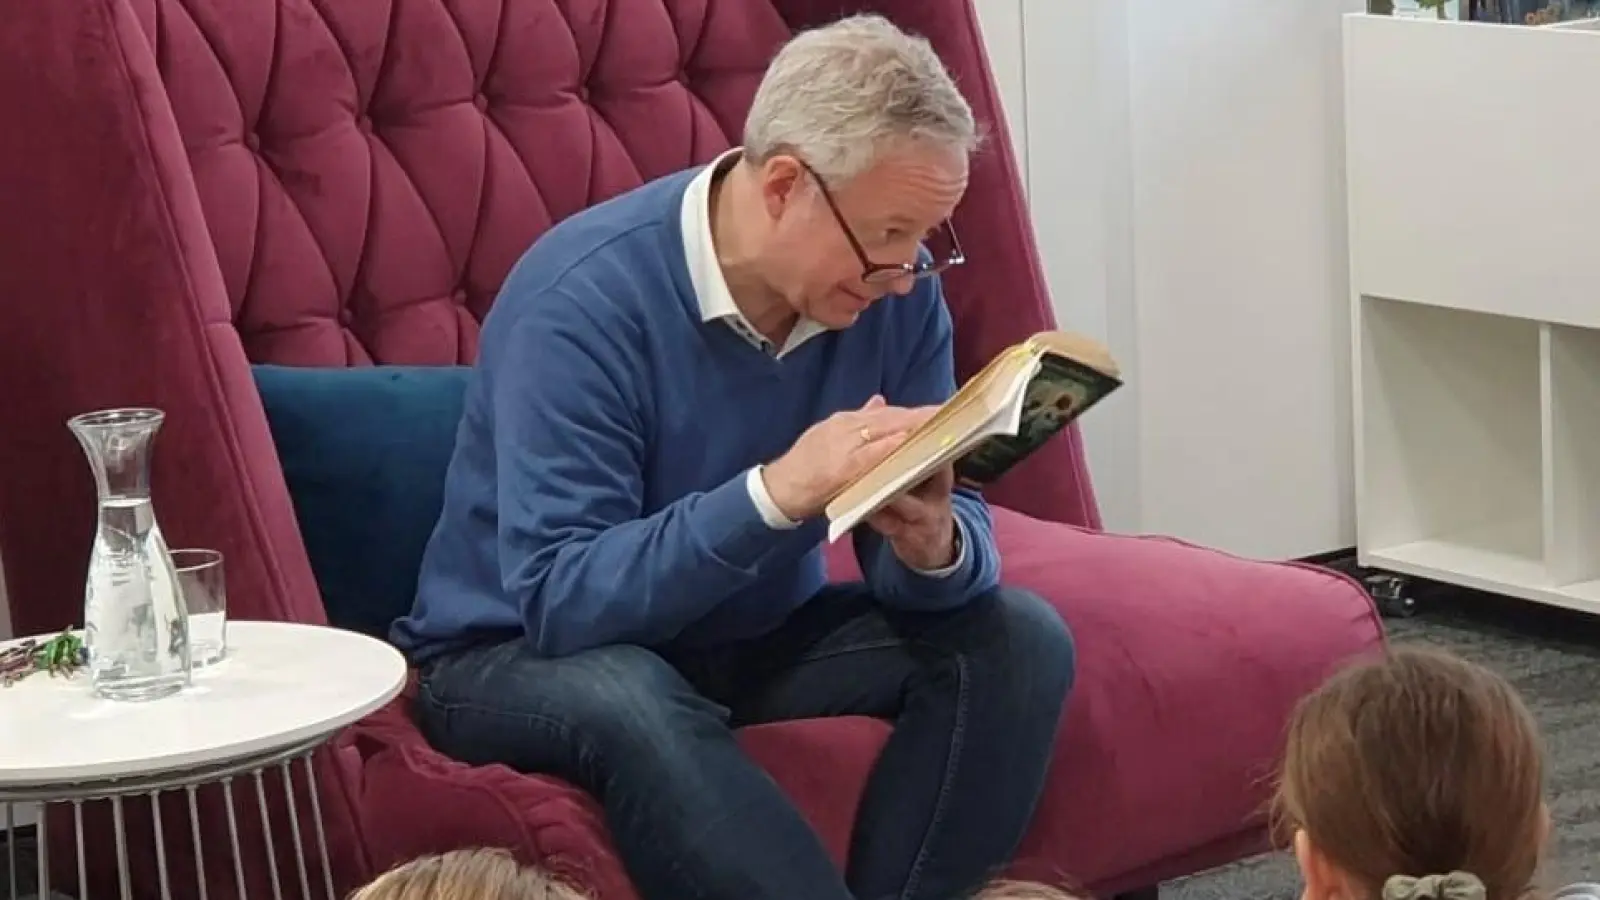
[369, 171]
[189, 186]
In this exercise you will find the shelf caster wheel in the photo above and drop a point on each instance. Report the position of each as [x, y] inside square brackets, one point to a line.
[1389, 594]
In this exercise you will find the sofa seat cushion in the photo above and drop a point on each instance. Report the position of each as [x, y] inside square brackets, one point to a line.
[364, 452]
[1189, 662]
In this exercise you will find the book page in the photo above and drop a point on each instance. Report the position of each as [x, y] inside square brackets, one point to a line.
[1009, 419]
[1006, 420]
[1078, 348]
[978, 389]
[1060, 392]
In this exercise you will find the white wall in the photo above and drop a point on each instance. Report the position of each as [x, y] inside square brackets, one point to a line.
[1185, 174]
[1001, 21]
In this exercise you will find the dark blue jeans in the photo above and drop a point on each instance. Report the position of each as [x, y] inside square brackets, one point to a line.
[976, 697]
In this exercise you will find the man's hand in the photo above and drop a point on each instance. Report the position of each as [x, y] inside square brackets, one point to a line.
[834, 452]
[920, 525]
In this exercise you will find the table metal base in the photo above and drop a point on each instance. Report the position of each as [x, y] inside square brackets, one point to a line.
[251, 774]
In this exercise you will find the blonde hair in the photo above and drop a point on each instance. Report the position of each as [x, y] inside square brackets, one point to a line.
[1418, 764]
[1022, 890]
[478, 874]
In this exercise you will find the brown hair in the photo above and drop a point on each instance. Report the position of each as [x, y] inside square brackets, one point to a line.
[1418, 763]
[480, 874]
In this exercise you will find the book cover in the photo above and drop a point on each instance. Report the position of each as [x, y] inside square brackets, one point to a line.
[1061, 391]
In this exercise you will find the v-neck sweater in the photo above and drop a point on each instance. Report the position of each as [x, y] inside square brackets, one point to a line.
[598, 491]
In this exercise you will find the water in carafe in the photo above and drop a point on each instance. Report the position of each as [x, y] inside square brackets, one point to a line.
[135, 622]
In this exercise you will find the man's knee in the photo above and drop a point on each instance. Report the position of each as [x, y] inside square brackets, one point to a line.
[1030, 639]
[635, 690]
[506, 705]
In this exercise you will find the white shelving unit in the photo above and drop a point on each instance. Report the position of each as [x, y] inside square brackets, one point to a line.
[1474, 226]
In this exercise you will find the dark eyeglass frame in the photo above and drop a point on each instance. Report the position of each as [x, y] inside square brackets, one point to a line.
[879, 273]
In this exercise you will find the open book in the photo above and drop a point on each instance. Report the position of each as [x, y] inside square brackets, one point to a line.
[1021, 399]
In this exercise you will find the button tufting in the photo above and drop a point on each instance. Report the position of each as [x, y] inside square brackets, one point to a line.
[354, 226]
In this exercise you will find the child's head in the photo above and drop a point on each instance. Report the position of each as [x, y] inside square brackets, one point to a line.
[1415, 775]
[466, 875]
[1021, 890]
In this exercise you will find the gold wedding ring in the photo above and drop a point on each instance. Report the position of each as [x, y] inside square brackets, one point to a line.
[866, 435]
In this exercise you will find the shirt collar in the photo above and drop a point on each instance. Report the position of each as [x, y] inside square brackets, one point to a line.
[705, 272]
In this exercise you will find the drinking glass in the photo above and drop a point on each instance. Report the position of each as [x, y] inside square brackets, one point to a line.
[133, 622]
[205, 594]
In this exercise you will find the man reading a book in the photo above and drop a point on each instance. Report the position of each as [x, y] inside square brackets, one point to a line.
[629, 564]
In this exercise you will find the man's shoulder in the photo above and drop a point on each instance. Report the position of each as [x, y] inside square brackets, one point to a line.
[600, 261]
[606, 231]
[654, 203]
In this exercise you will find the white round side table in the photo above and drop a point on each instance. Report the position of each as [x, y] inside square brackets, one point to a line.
[282, 692]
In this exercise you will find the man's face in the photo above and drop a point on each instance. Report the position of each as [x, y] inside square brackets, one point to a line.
[902, 201]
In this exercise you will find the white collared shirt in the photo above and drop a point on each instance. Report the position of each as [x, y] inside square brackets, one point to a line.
[705, 272]
[716, 304]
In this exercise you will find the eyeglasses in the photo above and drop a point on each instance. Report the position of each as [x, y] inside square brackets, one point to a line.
[882, 273]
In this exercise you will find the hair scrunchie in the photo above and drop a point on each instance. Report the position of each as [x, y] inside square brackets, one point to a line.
[1455, 885]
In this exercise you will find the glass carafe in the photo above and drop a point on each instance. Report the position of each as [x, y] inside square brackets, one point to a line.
[135, 623]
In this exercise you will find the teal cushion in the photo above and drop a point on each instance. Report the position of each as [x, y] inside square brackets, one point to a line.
[364, 451]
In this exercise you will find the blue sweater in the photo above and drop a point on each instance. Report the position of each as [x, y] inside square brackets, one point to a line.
[597, 493]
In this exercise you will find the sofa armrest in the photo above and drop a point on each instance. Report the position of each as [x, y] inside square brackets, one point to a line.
[544, 821]
[1189, 664]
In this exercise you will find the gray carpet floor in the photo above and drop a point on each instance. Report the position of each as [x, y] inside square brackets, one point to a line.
[1551, 656]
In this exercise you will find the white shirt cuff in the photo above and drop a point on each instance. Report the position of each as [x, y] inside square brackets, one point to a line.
[961, 556]
[770, 513]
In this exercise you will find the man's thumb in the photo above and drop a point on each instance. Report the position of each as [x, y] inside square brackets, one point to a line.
[874, 403]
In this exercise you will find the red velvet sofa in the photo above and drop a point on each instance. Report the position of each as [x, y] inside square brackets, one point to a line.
[189, 186]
